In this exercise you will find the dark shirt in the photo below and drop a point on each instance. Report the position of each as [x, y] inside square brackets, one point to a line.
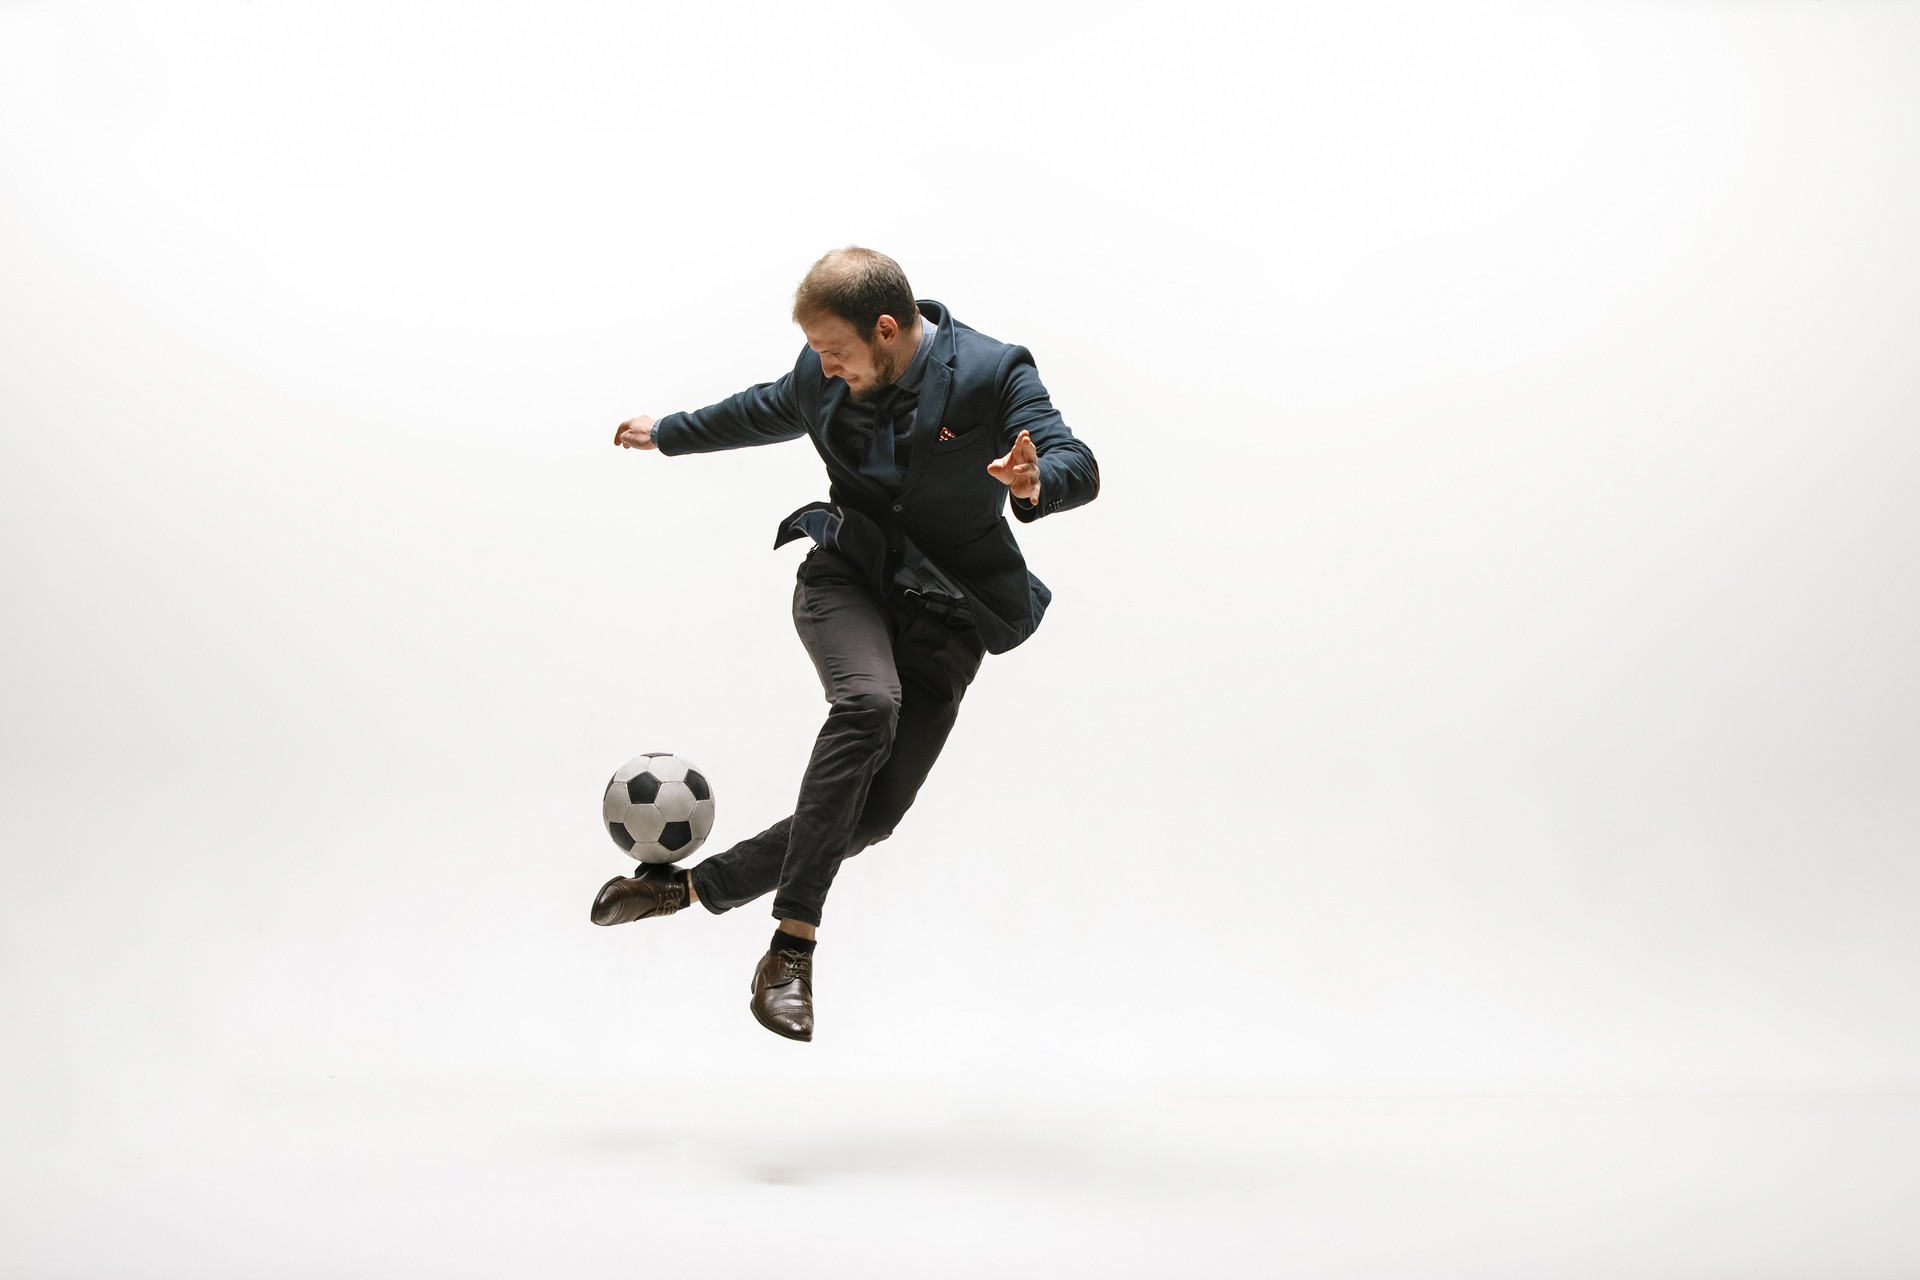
[876, 432]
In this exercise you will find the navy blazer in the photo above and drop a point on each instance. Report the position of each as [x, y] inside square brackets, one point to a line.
[984, 393]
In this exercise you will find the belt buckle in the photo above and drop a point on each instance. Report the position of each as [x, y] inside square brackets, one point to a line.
[938, 606]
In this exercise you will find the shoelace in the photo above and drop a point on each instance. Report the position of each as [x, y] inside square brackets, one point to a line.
[668, 898]
[799, 964]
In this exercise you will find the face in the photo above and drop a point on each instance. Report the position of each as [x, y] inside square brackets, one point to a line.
[867, 366]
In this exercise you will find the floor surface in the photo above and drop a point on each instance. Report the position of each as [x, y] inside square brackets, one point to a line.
[332, 1178]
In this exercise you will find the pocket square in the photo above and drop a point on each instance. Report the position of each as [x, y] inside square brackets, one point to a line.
[946, 433]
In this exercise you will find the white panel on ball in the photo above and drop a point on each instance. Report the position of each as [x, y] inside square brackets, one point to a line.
[613, 806]
[702, 820]
[668, 768]
[644, 823]
[675, 801]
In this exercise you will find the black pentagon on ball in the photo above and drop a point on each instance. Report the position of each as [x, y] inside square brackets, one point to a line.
[675, 835]
[698, 785]
[642, 788]
[620, 836]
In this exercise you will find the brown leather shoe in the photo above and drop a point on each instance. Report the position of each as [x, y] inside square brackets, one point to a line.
[783, 993]
[657, 889]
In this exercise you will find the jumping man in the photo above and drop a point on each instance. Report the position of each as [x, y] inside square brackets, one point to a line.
[927, 427]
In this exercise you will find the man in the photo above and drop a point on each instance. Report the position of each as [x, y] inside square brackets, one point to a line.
[926, 428]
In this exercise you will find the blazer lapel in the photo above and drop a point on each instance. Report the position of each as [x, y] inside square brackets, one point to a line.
[936, 384]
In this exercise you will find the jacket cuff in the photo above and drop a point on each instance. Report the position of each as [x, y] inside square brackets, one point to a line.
[1055, 495]
[1026, 512]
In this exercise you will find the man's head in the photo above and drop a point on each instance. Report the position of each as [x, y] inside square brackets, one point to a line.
[856, 308]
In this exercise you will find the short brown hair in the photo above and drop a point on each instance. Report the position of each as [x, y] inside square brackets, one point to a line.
[858, 285]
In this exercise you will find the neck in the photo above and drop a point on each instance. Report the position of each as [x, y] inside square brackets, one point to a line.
[905, 346]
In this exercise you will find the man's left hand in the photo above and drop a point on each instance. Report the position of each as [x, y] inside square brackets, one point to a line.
[1020, 469]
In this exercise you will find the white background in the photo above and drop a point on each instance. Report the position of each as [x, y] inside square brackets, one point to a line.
[1487, 670]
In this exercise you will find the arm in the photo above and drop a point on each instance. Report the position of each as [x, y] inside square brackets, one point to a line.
[1046, 466]
[763, 414]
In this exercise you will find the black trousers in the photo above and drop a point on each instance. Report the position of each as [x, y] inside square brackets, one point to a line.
[893, 669]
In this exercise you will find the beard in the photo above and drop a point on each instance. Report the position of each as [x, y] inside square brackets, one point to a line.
[885, 374]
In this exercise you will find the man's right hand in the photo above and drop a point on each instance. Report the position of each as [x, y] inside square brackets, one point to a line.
[635, 433]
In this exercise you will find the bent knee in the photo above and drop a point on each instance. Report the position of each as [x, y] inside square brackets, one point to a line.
[874, 710]
[873, 829]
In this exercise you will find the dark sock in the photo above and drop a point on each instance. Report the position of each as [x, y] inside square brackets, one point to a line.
[784, 941]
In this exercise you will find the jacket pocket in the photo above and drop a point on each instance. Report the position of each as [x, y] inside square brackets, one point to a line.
[963, 437]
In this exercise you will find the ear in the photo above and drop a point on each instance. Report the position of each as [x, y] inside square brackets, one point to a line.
[886, 328]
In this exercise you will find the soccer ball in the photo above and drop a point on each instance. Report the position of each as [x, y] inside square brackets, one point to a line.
[658, 807]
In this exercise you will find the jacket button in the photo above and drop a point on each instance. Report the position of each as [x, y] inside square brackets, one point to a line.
[896, 506]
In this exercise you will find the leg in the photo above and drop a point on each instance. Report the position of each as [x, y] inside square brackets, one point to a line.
[844, 628]
[752, 867]
[744, 872]
[848, 634]
[936, 665]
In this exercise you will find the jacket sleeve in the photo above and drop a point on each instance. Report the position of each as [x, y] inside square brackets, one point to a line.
[1069, 476]
[763, 414]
